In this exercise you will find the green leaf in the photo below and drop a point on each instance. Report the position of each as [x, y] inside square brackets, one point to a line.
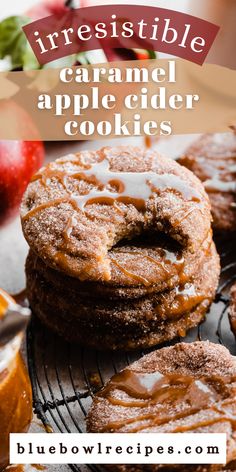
[29, 59]
[14, 44]
[152, 54]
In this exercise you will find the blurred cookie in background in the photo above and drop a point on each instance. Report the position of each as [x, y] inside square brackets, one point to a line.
[212, 157]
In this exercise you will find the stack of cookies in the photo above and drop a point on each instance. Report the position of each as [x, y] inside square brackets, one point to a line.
[121, 251]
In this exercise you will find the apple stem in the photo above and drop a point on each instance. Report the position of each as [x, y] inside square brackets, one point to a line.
[70, 4]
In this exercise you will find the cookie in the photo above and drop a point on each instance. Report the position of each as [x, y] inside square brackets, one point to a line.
[120, 324]
[213, 159]
[162, 252]
[121, 252]
[182, 388]
[79, 208]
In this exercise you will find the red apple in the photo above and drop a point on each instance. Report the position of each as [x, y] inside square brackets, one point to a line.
[46, 8]
[19, 160]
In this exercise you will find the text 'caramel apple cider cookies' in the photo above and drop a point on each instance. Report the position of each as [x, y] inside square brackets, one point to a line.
[185, 388]
[212, 158]
[121, 251]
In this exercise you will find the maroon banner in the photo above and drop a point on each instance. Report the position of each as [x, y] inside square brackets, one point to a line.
[121, 26]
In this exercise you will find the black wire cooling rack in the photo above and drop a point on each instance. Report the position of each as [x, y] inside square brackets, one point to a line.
[65, 377]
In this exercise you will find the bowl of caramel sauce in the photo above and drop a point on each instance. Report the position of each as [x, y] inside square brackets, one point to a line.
[15, 388]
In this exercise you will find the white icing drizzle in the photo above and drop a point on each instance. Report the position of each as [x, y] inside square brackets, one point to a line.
[217, 185]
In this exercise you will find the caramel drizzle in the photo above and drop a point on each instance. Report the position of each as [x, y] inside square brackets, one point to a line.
[186, 298]
[150, 390]
[3, 304]
[170, 257]
[5, 301]
[45, 206]
[186, 215]
[129, 274]
[46, 174]
[129, 186]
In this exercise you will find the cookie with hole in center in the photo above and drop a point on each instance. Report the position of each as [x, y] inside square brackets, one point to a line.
[78, 209]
